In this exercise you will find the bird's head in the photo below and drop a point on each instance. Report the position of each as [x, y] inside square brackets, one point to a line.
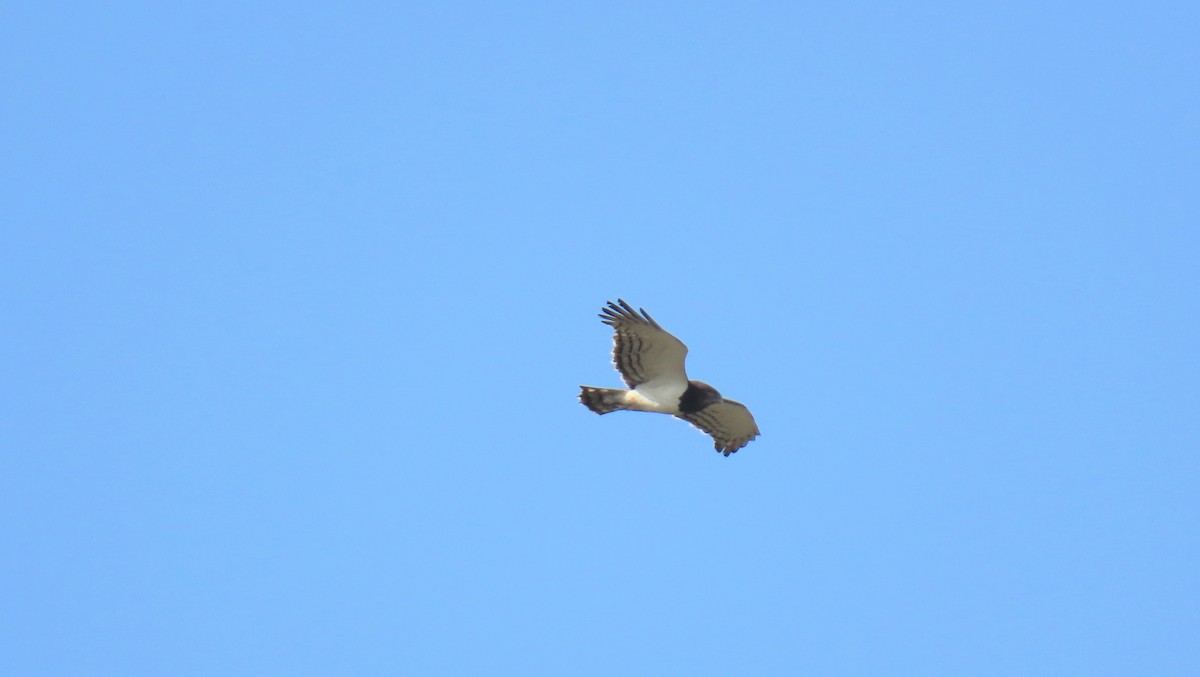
[698, 396]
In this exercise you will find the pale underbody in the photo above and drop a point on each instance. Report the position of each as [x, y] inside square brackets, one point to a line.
[661, 397]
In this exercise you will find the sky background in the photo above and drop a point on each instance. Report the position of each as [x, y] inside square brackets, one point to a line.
[297, 302]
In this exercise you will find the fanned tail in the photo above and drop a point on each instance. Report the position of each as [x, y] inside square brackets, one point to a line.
[602, 400]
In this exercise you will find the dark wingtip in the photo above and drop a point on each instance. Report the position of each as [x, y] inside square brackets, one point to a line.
[623, 310]
[727, 450]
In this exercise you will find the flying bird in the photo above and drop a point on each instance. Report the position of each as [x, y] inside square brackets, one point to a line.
[650, 361]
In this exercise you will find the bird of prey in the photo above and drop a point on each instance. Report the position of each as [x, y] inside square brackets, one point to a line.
[650, 361]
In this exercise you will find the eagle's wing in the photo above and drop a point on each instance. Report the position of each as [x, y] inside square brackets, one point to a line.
[645, 354]
[730, 424]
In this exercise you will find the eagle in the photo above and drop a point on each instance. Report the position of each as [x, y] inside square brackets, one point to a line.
[650, 361]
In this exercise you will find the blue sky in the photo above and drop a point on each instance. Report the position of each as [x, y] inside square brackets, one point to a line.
[299, 300]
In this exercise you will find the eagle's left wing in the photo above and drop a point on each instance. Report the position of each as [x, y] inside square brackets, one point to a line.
[730, 424]
[648, 357]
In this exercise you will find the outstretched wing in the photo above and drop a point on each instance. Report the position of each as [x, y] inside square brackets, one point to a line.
[645, 354]
[730, 424]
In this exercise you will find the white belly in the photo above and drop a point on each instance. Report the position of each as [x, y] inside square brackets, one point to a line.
[657, 396]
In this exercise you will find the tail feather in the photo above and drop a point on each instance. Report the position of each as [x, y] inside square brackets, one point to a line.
[602, 400]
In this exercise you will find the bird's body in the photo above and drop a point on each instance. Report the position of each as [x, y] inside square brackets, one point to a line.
[651, 362]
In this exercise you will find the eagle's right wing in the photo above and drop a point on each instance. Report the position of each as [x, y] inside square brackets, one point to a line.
[730, 424]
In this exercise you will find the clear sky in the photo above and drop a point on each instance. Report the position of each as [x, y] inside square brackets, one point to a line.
[297, 301]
